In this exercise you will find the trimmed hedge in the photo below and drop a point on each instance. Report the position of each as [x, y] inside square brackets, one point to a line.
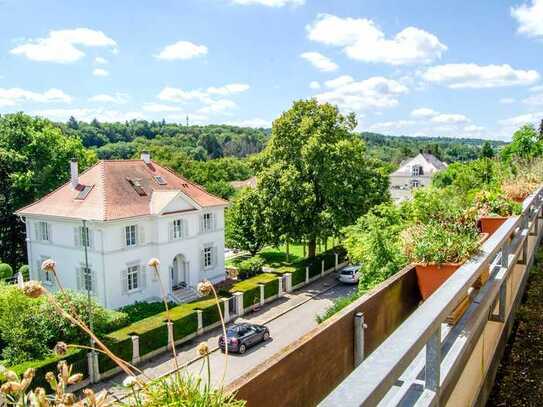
[251, 289]
[271, 288]
[75, 357]
[251, 297]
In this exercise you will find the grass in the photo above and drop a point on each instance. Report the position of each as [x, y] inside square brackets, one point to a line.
[253, 282]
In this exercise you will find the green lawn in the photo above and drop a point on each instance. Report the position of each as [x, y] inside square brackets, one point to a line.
[276, 257]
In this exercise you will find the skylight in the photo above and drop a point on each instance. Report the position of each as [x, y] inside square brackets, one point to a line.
[136, 184]
[160, 180]
[84, 192]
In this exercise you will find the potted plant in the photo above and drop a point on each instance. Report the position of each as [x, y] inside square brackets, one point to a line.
[437, 250]
[494, 208]
[519, 188]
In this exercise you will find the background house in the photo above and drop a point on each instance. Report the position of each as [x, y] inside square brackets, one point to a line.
[413, 173]
[121, 214]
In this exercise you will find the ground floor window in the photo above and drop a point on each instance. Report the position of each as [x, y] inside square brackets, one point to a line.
[133, 278]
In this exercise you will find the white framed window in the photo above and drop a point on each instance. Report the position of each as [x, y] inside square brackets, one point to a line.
[86, 279]
[415, 183]
[178, 229]
[131, 235]
[83, 237]
[132, 275]
[44, 277]
[43, 232]
[208, 222]
[209, 256]
[416, 170]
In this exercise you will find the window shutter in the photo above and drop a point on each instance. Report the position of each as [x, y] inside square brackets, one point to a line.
[77, 237]
[214, 256]
[94, 282]
[202, 259]
[202, 224]
[79, 272]
[142, 278]
[171, 229]
[91, 240]
[124, 281]
[39, 272]
[185, 224]
[123, 237]
[214, 220]
[37, 231]
[49, 232]
[141, 235]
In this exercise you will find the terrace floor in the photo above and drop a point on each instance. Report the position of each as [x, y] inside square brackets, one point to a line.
[519, 381]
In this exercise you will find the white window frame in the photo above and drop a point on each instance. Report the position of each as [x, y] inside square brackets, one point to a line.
[43, 231]
[84, 236]
[87, 277]
[131, 235]
[415, 183]
[178, 229]
[208, 257]
[416, 171]
[208, 222]
[133, 276]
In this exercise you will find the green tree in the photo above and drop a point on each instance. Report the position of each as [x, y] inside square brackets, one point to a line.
[487, 151]
[315, 175]
[34, 160]
[525, 144]
[245, 222]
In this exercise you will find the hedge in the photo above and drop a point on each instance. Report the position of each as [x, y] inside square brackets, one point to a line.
[75, 357]
[251, 288]
[271, 288]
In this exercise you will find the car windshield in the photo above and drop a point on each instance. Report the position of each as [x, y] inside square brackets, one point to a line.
[348, 272]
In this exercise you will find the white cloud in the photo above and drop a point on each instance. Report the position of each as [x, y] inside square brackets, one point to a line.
[475, 76]
[87, 114]
[117, 98]
[63, 46]
[270, 3]
[474, 129]
[256, 123]
[521, 120]
[100, 60]
[538, 88]
[14, 96]
[424, 112]
[507, 101]
[100, 72]
[159, 107]
[450, 119]
[361, 39]
[218, 106]
[530, 18]
[229, 89]
[179, 95]
[181, 50]
[314, 85]
[534, 100]
[319, 61]
[392, 125]
[372, 93]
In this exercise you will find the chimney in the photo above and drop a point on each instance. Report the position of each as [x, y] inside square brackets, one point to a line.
[74, 173]
[146, 157]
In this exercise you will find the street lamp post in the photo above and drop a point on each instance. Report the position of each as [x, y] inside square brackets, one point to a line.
[86, 241]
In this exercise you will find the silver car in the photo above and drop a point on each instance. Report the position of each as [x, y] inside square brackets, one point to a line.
[349, 274]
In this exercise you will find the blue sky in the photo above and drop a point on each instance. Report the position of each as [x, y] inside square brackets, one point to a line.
[447, 68]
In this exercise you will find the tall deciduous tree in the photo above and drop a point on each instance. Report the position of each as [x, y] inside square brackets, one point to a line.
[34, 160]
[245, 224]
[525, 144]
[315, 176]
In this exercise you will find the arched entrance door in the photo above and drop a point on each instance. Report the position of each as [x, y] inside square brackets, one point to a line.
[179, 272]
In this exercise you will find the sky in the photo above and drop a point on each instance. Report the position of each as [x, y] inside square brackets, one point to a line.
[450, 68]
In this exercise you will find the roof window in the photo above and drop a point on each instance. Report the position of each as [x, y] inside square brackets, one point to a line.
[136, 184]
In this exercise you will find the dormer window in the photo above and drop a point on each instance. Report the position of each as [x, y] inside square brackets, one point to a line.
[136, 184]
[416, 170]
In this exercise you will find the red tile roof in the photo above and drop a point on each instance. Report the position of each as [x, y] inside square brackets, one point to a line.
[112, 196]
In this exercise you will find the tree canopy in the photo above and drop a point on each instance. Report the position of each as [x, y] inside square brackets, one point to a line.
[315, 175]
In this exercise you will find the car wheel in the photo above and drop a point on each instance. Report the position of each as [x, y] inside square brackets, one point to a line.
[242, 348]
[266, 336]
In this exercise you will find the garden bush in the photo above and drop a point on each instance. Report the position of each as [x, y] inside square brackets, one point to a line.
[271, 288]
[141, 310]
[250, 267]
[25, 272]
[6, 271]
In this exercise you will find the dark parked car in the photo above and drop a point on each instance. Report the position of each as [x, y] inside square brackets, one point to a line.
[242, 336]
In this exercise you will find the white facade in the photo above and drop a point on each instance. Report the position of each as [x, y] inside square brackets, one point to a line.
[188, 241]
[413, 173]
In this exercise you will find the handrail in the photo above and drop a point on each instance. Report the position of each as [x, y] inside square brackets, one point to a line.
[368, 384]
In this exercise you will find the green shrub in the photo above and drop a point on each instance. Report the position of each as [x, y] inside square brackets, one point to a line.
[250, 267]
[271, 288]
[6, 271]
[25, 272]
[75, 357]
[251, 297]
[338, 305]
[494, 203]
[141, 310]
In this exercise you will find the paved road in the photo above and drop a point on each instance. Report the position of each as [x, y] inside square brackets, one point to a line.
[287, 318]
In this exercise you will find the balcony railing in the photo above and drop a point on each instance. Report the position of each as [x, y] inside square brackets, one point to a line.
[426, 362]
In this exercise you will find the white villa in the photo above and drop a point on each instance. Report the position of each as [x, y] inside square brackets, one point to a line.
[116, 216]
[413, 173]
